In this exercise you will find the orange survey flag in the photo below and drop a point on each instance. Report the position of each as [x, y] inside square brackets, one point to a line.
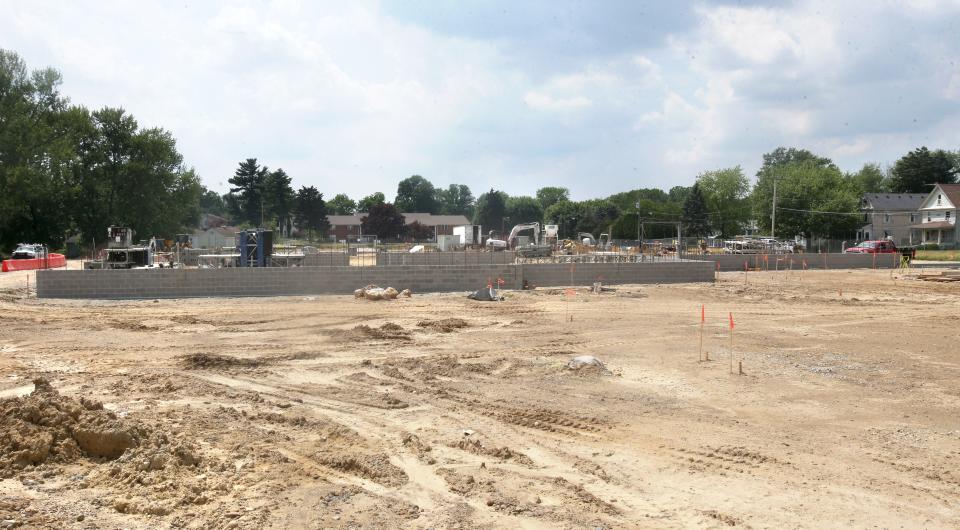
[731, 320]
[703, 313]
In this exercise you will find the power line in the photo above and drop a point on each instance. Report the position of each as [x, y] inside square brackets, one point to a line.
[818, 211]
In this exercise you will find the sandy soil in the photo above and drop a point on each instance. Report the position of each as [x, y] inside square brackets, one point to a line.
[331, 412]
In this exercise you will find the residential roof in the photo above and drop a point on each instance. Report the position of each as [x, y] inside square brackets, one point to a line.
[340, 220]
[934, 225]
[893, 201]
[434, 220]
[952, 191]
[425, 219]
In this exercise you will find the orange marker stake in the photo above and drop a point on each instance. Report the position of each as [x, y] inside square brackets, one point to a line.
[703, 319]
[731, 343]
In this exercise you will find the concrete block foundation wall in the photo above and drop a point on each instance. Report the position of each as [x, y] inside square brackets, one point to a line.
[188, 283]
[505, 257]
[734, 262]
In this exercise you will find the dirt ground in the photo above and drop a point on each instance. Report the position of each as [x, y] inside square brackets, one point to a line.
[442, 412]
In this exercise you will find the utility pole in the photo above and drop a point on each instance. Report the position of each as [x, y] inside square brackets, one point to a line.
[638, 222]
[679, 243]
[773, 215]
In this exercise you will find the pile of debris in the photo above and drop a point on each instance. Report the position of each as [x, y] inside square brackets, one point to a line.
[373, 292]
[945, 276]
[588, 364]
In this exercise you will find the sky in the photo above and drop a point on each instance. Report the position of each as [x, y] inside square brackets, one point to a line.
[597, 96]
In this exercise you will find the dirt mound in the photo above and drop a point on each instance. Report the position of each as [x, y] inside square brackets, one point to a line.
[45, 426]
[375, 467]
[475, 446]
[196, 361]
[445, 325]
[388, 331]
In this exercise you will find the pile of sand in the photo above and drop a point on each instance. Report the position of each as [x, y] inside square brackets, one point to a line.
[45, 426]
[151, 471]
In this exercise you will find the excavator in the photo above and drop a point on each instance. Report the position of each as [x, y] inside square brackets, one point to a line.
[537, 249]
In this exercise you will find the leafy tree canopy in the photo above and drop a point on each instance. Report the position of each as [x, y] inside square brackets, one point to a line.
[725, 192]
[416, 195]
[491, 210]
[456, 200]
[370, 201]
[340, 204]
[550, 195]
[524, 209]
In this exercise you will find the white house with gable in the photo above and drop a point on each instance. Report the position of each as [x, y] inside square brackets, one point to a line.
[938, 216]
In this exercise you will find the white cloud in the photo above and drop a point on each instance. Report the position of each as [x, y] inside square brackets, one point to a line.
[351, 99]
[541, 101]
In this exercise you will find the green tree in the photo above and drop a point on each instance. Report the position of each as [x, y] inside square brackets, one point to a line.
[278, 197]
[870, 179]
[370, 201]
[491, 210]
[416, 195]
[568, 216]
[725, 192]
[812, 200]
[657, 218]
[456, 200]
[211, 202]
[524, 210]
[784, 156]
[679, 194]
[340, 204]
[627, 200]
[550, 195]
[920, 168]
[248, 183]
[696, 216]
[595, 216]
[64, 169]
[385, 221]
[310, 211]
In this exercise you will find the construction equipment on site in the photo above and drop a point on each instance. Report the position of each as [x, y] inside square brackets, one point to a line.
[119, 237]
[536, 248]
[587, 239]
[255, 247]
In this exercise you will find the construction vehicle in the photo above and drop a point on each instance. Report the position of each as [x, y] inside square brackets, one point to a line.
[538, 247]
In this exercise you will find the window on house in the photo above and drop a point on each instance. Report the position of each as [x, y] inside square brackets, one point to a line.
[939, 198]
[913, 218]
[946, 216]
[886, 218]
[928, 217]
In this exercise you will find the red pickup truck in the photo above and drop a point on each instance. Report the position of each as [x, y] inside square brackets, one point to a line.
[873, 247]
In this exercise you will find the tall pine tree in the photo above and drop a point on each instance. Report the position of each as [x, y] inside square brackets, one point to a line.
[247, 190]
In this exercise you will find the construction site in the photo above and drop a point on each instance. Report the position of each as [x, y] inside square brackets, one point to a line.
[595, 389]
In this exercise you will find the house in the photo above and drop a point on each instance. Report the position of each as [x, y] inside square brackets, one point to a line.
[938, 216]
[890, 215]
[350, 227]
[219, 237]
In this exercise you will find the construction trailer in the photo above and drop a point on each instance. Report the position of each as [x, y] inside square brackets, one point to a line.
[468, 235]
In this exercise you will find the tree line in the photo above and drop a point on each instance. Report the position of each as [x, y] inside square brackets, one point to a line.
[65, 169]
